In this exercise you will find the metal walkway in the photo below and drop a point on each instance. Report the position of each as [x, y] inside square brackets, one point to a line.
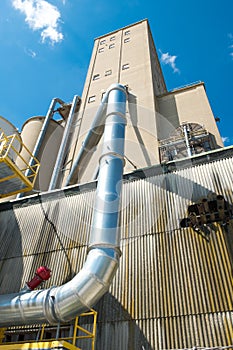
[76, 331]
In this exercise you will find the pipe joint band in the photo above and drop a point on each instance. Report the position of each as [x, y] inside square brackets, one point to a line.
[117, 87]
[120, 114]
[114, 154]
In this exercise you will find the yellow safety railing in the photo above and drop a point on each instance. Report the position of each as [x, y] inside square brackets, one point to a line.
[71, 342]
[2, 334]
[17, 174]
[86, 334]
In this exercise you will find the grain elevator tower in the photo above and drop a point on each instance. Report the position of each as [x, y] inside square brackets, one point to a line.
[135, 221]
[155, 117]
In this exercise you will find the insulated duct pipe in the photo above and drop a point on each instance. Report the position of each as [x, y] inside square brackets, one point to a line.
[62, 304]
[42, 134]
[62, 149]
[45, 126]
[91, 140]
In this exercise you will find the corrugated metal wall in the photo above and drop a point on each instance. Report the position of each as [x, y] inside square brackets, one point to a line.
[173, 289]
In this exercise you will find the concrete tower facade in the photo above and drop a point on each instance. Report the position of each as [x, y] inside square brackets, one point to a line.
[128, 56]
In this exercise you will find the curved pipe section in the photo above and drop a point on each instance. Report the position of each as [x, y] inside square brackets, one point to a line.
[62, 304]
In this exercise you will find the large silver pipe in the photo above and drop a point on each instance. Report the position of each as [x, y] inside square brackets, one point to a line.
[45, 126]
[91, 140]
[62, 149]
[62, 304]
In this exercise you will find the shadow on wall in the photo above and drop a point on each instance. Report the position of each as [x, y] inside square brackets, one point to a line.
[116, 329]
[11, 260]
[132, 100]
[167, 119]
[191, 191]
[49, 241]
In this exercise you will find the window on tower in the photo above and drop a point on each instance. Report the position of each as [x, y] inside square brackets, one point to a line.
[96, 76]
[127, 32]
[91, 99]
[112, 38]
[101, 49]
[126, 40]
[102, 42]
[108, 72]
[125, 66]
[111, 46]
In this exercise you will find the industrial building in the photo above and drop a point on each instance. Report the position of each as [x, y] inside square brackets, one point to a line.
[116, 213]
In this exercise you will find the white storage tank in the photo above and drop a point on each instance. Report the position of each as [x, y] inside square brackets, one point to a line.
[48, 150]
[9, 129]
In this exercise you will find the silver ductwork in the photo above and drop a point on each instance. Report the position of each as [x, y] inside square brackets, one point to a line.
[91, 140]
[62, 304]
[62, 149]
[42, 134]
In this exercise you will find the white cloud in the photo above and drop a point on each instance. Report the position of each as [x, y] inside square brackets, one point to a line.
[30, 52]
[225, 139]
[166, 58]
[43, 16]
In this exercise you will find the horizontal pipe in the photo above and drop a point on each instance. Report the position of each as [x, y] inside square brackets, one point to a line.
[63, 303]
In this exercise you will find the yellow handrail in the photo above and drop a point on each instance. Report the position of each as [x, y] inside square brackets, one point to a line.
[18, 167]
[67, 342]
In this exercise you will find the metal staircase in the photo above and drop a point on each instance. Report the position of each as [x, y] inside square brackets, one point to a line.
[16, 174]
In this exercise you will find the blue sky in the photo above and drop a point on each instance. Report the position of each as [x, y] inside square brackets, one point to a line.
[46, 46]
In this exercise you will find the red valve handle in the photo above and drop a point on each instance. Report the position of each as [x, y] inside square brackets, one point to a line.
[43, 273]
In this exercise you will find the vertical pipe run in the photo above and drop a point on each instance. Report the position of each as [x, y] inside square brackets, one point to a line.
[41, 136]
[44, 128]
[91, 140]
[186, 131]
[105, 222]
[62, 149]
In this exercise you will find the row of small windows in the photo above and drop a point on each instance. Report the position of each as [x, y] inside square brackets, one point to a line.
[102, 42]
[97, 76]
[112, 38]
[111, 46]
[92, 98]
[109, 72]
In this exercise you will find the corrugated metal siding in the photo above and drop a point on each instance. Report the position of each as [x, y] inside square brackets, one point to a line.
[173, 288]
